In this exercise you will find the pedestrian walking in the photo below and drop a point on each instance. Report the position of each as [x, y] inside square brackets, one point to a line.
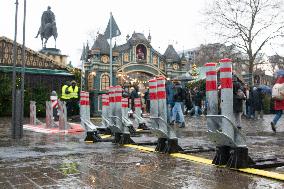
[278, 96]
[197, 101]
[133, 95]
[238, 97]
[188, 102]
[170, 99]
[178, 98]
[147, 100]
[257, 103]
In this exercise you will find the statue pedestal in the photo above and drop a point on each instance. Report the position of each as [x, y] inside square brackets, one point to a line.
[52, 51]
[55, 54]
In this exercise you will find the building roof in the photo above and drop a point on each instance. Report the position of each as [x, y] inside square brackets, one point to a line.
[122, 47]
[183, 58]
[101, 44]
[171, 54]
[51, 62]
[138, 38]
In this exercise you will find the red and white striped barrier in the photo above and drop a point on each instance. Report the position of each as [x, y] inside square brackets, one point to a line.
[84, 106]
[211, 88]
[161, 97]
[153, 98]
[124, 106]
[118, 111]
[227, 94]
[137, 105]
[111, 104]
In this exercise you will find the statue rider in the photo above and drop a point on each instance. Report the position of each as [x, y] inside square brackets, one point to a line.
[47, 17]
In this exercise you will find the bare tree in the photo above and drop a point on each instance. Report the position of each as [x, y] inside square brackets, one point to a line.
[248, 24]
[214, 52]
[276, 61]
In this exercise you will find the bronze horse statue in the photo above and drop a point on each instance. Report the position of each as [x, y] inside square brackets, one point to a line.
[48, 31]
[48, 27]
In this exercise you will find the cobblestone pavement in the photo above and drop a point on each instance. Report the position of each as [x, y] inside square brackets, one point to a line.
[65, 161]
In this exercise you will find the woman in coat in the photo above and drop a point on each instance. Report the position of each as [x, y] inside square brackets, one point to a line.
[278, 106]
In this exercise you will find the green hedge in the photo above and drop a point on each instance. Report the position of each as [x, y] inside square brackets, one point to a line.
[40, 94]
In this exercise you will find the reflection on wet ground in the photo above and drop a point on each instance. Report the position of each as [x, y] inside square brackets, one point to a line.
[65, 161]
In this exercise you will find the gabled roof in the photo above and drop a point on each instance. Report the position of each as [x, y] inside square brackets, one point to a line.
[101, 44]
[171, 54]
[51, 63]
[137, 36]
[122, 47]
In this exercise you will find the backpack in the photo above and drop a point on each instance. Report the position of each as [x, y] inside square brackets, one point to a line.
[276, 89]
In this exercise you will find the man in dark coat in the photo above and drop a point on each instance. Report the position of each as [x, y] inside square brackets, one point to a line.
[257, 102]
[238, 97]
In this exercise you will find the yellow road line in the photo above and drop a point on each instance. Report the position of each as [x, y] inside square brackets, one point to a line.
[105, 136]
[253, 171]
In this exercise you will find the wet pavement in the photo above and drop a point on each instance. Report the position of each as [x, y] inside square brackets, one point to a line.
[66, 161]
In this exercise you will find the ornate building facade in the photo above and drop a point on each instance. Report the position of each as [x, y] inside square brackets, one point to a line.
[134, 63]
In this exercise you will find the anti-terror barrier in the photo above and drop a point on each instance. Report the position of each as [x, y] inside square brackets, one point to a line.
[230, 143]
[118, 127]
[137, 115]
[231, 148]
[92, 132]
[167, 139]
[127, 122]
[54, 108]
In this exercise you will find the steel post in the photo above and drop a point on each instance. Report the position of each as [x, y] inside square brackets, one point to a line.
[211, 93]
[62, 115]
[111, 105]
[118, 111]
[32, 113]
[226, 95]
[54, 104]
[48, 115]
[162, 103]
[153, 98]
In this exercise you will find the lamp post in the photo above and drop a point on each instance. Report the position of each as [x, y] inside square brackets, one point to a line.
[14, 57]
[18, 95]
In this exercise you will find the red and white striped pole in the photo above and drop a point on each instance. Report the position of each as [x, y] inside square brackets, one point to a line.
[111, 104]
[54, 104]
[84, 107]
[153, 98]
[118, 112]
[161, 97]
[211, 88]
[137, 105]
[227, 94]
[124, 107]
[105, 106]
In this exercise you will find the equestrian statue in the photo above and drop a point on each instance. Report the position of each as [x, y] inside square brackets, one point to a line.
[47, 27]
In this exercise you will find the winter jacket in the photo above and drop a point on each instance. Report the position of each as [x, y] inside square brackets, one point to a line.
[237, 99]
[257, 100]
[279, 104]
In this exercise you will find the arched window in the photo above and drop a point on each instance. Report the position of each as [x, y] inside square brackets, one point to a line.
[105, 82]
[90, 81]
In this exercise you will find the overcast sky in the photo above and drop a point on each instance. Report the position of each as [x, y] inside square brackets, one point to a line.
[175, 22]
[170, 22]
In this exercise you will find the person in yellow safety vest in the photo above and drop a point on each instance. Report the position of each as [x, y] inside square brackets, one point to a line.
[74, 98]
[65, 96]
